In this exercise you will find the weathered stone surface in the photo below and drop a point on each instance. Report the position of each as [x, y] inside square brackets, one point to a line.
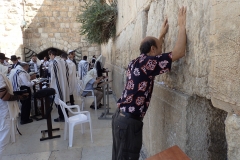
[190, 75]
[192, 123]
[11, 14]
[48, 24]
[233, 136]
[224, 37]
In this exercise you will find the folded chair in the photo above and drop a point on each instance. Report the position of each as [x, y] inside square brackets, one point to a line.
[78, 117]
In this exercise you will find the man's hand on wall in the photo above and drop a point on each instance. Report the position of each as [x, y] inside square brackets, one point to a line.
[180, 46]
[182, 17]
[164, 28]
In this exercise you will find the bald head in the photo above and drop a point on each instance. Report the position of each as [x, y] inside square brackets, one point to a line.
[146, 44]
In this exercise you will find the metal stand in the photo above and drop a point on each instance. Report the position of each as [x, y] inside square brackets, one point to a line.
[49, 130]
[106, 106]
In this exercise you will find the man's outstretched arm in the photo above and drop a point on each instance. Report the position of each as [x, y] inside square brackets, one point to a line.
[163, 31]
[180, 46]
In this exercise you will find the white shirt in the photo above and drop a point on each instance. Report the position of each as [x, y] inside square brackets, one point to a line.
[35, 67]
[4, 113]
[25, 80]
[45, 63]
[50, 66]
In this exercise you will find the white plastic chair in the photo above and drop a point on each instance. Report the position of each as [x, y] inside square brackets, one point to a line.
[78, 118]
[81, 90]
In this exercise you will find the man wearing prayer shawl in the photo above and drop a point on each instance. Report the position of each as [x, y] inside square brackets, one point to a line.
[83, 67]
[8, 107]
[72, 77]
[21, 80]
[59, 81]
[90, 83]
[35, 64]
[3, 68]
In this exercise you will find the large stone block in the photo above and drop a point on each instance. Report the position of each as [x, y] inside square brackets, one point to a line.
[57, 35]
[233, 136]
[190, 122]
[48, 13]
[224, 38]
[56, 13]
[64, 14]
[129, 11]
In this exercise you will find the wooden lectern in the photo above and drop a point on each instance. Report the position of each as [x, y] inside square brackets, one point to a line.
[173, 153]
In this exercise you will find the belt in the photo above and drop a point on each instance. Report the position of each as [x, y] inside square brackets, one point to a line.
[129, 115]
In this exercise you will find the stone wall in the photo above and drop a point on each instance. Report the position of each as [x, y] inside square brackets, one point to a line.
[11, 18]
[207, 76]
[224, 71]
[190, 122]
[53, 24]
[225, 54]
[233, 136]
[42, 24]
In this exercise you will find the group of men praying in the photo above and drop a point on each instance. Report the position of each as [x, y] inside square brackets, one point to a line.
[63, 74]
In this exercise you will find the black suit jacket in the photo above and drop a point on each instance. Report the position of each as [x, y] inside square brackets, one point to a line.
[15, 65]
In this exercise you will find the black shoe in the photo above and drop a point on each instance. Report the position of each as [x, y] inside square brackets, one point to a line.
[27, 121]
[100, 104]
[59, 120]
[92, 106]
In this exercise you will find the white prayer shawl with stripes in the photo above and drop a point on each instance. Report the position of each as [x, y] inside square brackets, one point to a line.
[92, 74]
[82, 68]
[59, 79]
[14, 77]
[72, 77]
[12, 107]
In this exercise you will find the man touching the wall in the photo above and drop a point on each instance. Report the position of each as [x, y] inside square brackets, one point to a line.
[132, 106]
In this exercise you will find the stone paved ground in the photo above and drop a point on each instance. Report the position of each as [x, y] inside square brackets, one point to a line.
[29, 147]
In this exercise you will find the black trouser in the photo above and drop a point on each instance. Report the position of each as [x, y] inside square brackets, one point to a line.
[127, 137]
[26, 105]
[61, 116]
[71, 100]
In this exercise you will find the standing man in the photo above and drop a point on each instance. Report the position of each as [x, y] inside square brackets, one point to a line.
[44, 67]
[133, 104]
[71, 56]
[83, 67]
[6, 63]
[14, 61]
[8, 107]
[93, 59]
[59, 81]
[45, 62]
[21, 80]
[3, 68]
[92, 62]
[98, 65]
[72, 77]
[35, 64]
[19, 59]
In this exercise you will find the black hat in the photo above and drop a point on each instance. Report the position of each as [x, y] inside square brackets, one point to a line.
[13, 58]
[2, 56]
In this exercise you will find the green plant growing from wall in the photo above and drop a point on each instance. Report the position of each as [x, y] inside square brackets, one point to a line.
[98, 20]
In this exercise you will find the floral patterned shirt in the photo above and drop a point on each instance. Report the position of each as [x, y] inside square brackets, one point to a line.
[141, 72]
